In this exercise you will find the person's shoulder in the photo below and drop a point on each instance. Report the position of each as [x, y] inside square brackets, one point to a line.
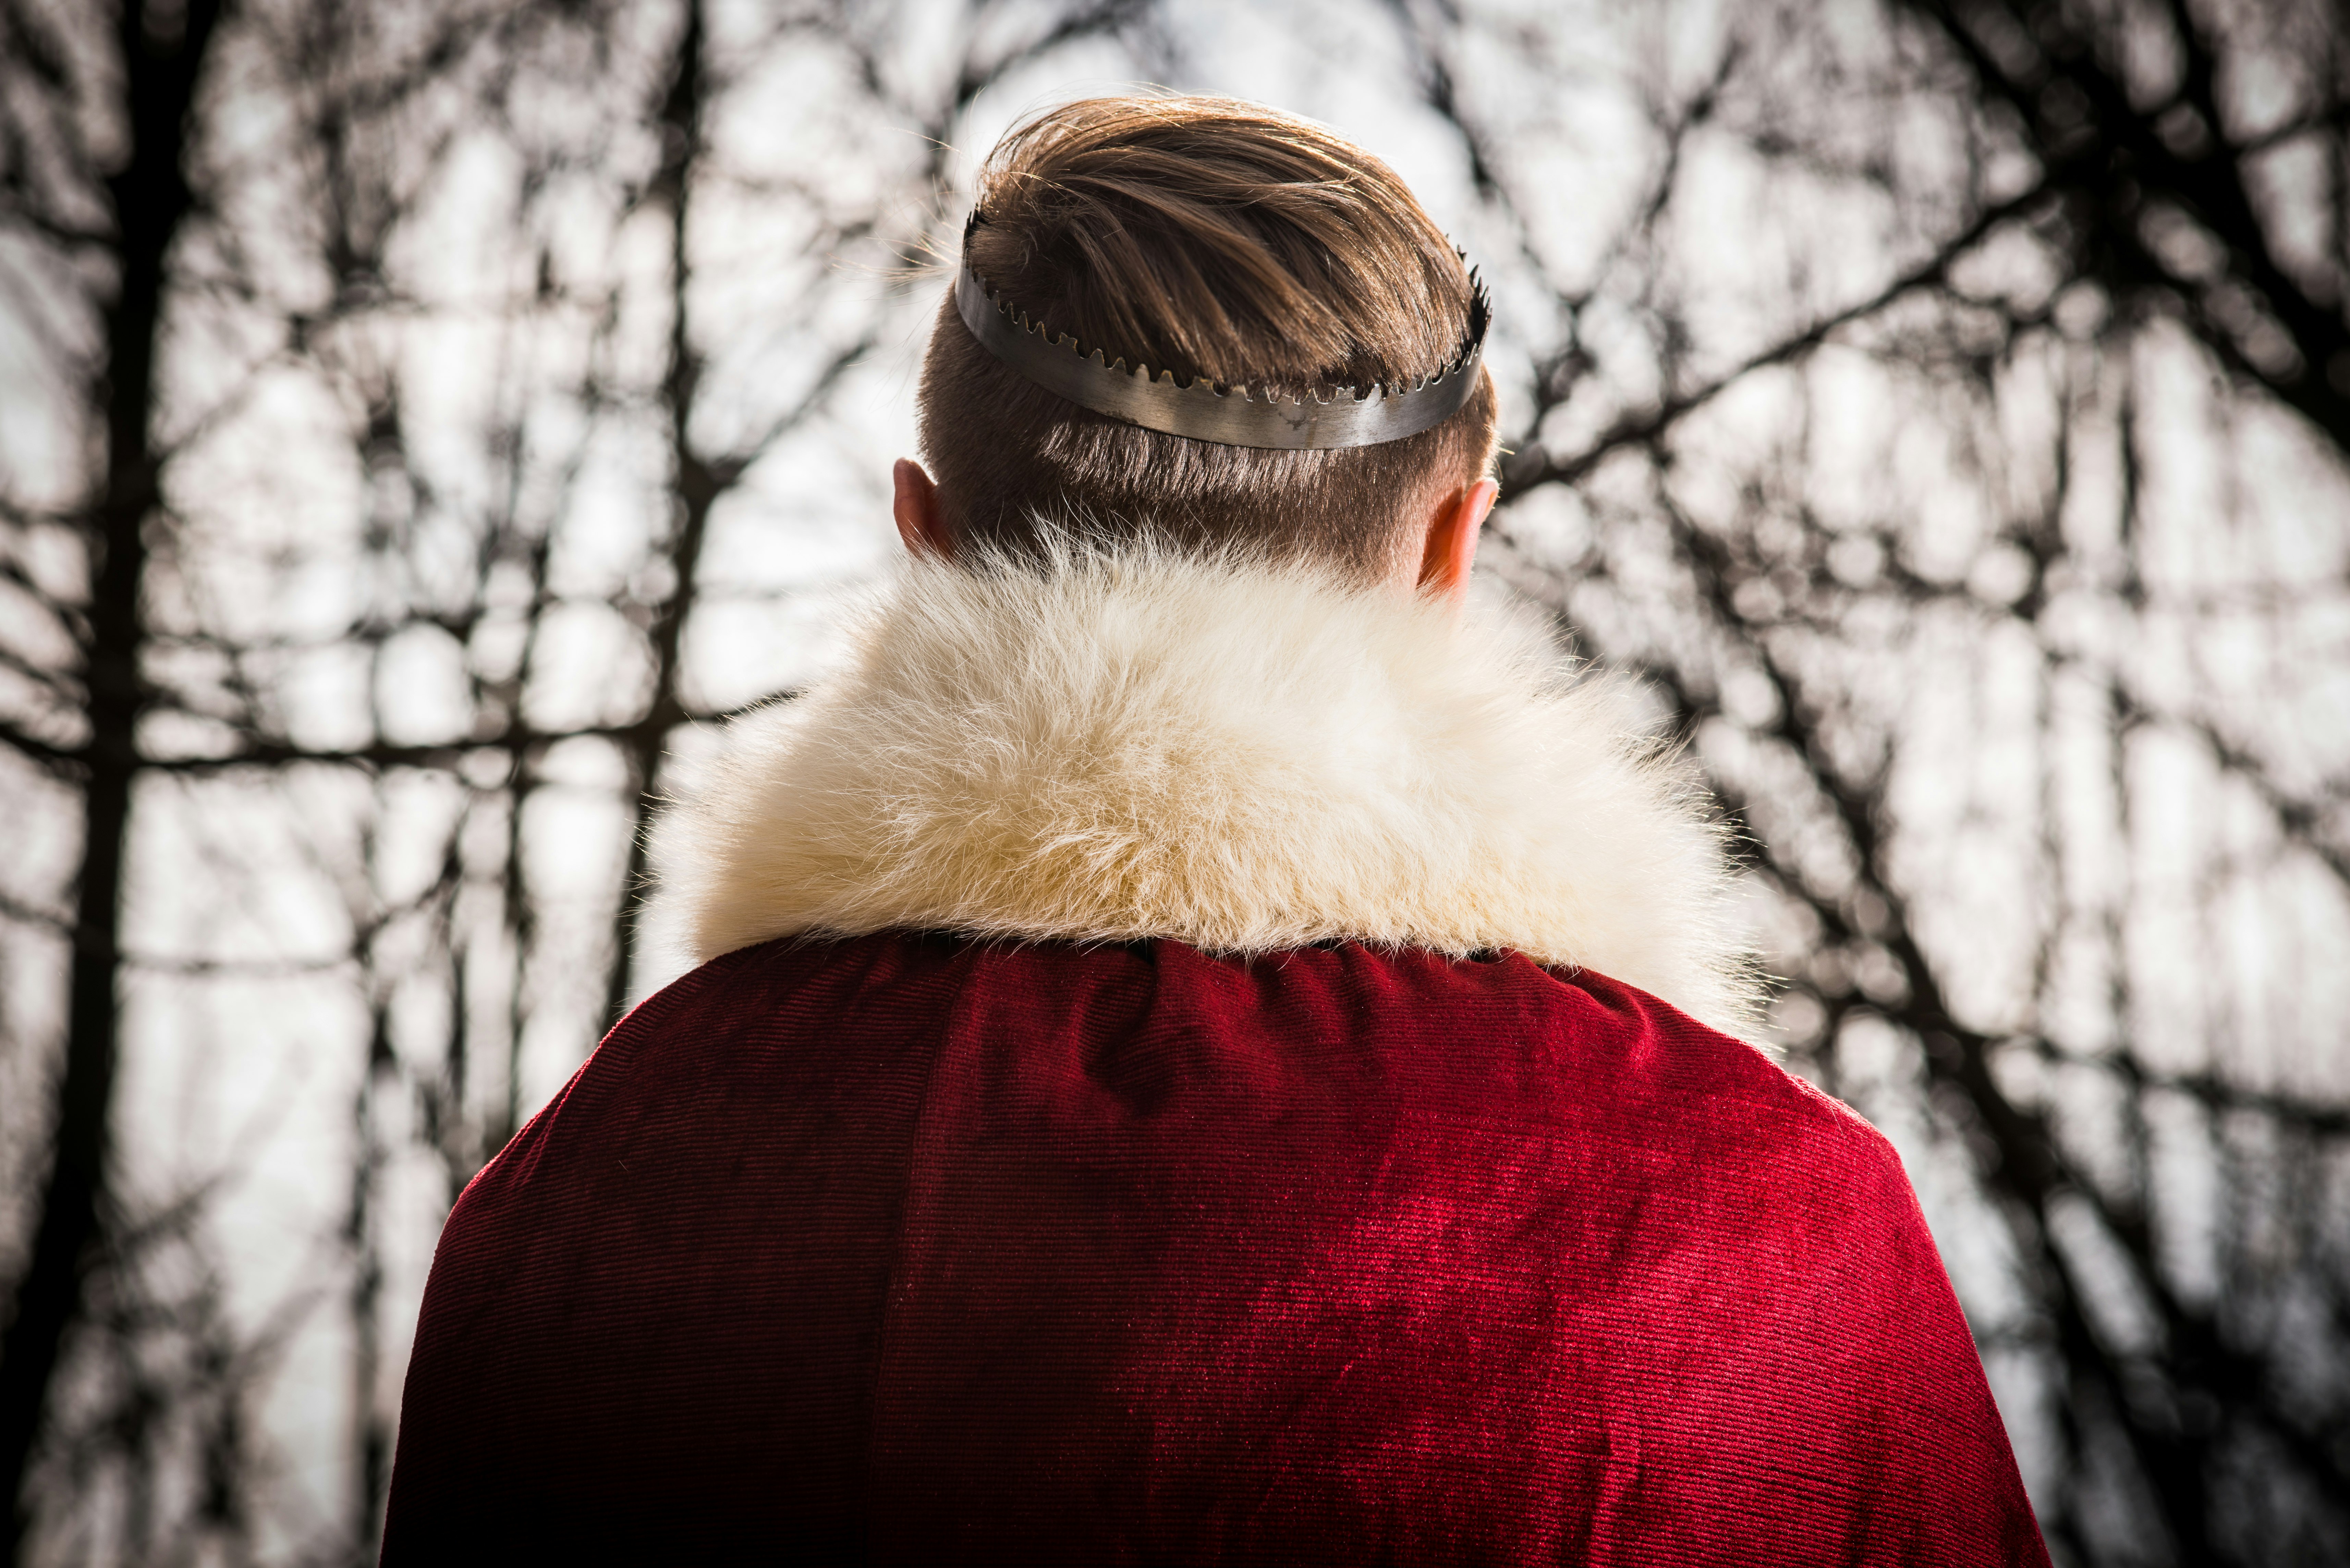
[1735, 1096]
[1550, 1046]
[753, 1011]
[722, 1042]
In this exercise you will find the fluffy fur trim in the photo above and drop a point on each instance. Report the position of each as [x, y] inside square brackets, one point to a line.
[1242, 757]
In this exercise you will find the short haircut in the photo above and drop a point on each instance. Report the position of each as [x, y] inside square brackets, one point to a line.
[1205, 236]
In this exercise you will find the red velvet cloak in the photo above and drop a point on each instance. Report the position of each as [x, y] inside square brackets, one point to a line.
[912, 1249]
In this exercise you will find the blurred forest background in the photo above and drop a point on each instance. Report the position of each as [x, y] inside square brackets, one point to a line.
[422, 423]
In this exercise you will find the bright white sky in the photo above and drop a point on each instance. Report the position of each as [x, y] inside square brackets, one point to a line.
[2114, 891]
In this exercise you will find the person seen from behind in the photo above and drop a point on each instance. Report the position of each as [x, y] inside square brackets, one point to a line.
[1209, 1046]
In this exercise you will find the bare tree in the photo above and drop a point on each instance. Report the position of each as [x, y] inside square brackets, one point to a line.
[1939, 407]
[2121, 195]
[505, 641]
[54, 181]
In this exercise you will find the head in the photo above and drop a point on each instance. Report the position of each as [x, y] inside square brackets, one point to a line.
[1204, 236]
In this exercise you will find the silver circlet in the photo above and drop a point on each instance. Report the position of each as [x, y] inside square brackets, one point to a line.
[1196, 409]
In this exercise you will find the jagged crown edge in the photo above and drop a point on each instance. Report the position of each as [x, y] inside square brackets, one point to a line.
[1480, 319]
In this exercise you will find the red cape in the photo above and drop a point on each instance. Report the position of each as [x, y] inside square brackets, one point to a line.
[908, 1248]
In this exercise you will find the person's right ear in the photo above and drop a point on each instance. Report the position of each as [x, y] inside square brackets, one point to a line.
[920, 522]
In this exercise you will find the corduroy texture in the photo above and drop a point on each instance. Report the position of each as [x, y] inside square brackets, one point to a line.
[1243, 757]
[917, 1248]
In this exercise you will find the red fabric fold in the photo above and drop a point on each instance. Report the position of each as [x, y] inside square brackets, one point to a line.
[908, 1249]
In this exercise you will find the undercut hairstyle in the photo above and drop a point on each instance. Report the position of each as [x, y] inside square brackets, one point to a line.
[1205, 236]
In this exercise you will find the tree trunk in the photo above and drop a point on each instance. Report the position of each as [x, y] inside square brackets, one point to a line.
[151, 196]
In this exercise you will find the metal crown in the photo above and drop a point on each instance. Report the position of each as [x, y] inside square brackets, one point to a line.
[1198, 410]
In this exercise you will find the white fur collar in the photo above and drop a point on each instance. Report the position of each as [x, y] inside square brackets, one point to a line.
[1243, 758]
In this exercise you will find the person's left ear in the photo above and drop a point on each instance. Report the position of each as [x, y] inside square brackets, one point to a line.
[1450, 548]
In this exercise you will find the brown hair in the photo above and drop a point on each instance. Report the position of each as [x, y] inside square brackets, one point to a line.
[1205, 236]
